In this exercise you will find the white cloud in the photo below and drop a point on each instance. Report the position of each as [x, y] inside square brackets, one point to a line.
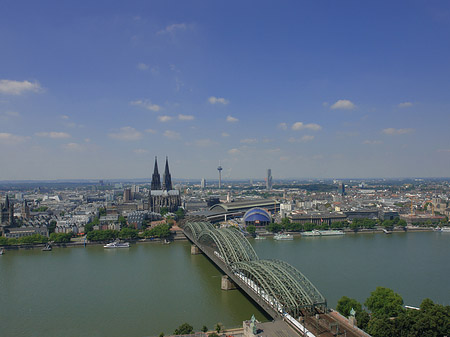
[146, 104]
[142, 66]
[224, 134]
[151, 131]
[126, 133]
[343, 104]
[393, 131]
[164, 119]
[282, 126]
[304, 139]
[405, 105]
[234, 152]
[140, 151]
[249, 141]
[73, 147]
[10, 139]
[64, 117]
[9, 114]
[185, 117]
[204, 142]
[9, 87]
[372, 142]
[232, 119]
[221, 100]
[173, 28]
[171, 135]
[310, 126]
[53, 134]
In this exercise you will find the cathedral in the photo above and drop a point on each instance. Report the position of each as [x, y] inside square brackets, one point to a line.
[165, 195]
[6, 214]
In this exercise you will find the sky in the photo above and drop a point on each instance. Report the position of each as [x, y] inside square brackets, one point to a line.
[310, 89]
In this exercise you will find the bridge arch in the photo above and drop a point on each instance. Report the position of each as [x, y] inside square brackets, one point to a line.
[280, 284]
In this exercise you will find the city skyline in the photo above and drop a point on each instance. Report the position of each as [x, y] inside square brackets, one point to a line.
[310, 90]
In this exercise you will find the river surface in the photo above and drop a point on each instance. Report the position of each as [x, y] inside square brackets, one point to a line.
[152, 288]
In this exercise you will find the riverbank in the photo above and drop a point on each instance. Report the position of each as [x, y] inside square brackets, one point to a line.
[79, 242]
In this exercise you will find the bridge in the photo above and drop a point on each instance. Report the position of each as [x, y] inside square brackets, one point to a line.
[281, 290]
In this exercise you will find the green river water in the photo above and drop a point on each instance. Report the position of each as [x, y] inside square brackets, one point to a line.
[152, 288]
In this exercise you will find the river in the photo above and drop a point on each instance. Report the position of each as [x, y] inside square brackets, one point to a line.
[152, 288]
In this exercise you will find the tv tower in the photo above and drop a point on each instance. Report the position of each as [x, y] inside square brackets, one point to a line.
[220, 175]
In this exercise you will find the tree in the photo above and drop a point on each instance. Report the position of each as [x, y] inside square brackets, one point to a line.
[61, 237]
[164, 211]
[345, 305]
[128, 233]
[381, 327]
[362, 319]
[218, 327]
[122, 220]
[180, 213]
[384, 302]
[51, 226]
[184, 329]
[204, 328]
[89, 227]
[274, 227]
[251, 229]
[101, 211]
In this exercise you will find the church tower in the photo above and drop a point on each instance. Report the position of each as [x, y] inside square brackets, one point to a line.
[156, 179]
[167, 184]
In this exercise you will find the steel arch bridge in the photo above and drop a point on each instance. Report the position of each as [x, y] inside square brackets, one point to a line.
[276, 282]
[230, 243]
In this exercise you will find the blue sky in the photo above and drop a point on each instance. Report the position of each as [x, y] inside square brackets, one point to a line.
[317, 89]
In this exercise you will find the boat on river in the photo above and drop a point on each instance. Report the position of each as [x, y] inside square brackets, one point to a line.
[331, 232]
[2, 251]
[117, 244]
[259, 237]
[311, 233]
[445, 229]
[47, 248]
[282, 236]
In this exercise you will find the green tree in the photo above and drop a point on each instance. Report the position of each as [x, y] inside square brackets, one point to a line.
[381, 327]
[204, 328]
[164, 211]
[384, 302]
[362, 319]
[52, 226]
[3, 241]
[274, 227]
[251, 229]
[89, 227]
[122, 220]
[101, 211]
[128, 233]
[180, 213]
[184, 329]
[218, 327]
[61, 237]
[345, 305]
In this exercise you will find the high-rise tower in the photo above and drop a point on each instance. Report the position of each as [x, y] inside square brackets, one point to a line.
[167, 183]
[156, 179]
[220, 175]
[269, 180]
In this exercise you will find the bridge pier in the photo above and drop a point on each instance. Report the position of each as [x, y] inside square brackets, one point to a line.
[227, 284]
[195, 250]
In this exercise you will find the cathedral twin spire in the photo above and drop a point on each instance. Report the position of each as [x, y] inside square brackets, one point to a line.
[156, 179]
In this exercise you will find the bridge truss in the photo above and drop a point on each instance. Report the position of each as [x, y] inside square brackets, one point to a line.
[275, 281]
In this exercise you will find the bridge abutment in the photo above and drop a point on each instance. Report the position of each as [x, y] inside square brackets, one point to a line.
[227, 284]
[195, 250]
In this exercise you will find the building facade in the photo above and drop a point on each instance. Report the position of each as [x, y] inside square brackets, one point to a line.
[163, 196]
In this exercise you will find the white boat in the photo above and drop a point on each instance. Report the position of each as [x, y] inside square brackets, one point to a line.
[282, 236]
[386, 231]
[331, 232]
[258, 237]
[445, 229]
[2, 251]
[311, 233]
[117, 244]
